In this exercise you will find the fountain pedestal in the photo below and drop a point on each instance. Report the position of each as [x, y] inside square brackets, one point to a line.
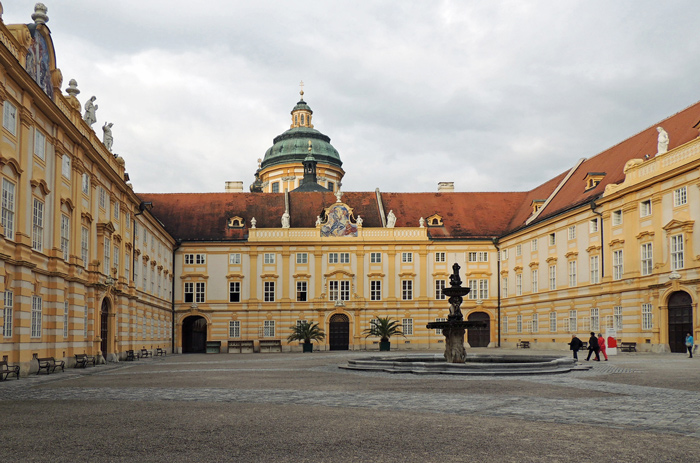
[455, 326]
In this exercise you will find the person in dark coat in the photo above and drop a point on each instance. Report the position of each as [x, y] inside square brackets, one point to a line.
[575, 345]
[593, 347]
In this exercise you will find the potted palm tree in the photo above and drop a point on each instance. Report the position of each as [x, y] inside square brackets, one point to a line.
[306, 332]
[384, 328]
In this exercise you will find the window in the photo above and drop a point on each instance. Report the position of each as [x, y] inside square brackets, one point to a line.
[680, 196]
[504, 286]
[572, 273]
[647, 262]
[504, 323]
[302, 258]
[116, 258]
[38, 225]
[533, 245]
[85, 184]
[199, 291]
[439, 286]
[646, 317]
[677, 257]
[595, 319]
[269, 258]
[535, 284]
[406, 257]
[553, 322]
[84, 245]
[407, 290]
[573, 321]
[617, 217]
[9, 117]
[65, 166]
[107, 253]
[375, 290]
[439, 257]
[234, 291]
[7, 313]
[8, 208]
[375, 257]
[572, 232]
[552, 239]
[65, 319]
[479, 289]
[65, 235]
[595, 270]
[519, 323]
[234, 329]
[593, 225]
[331, 186]
[39, 144]
[127, 219]
[339, 290]
[269, 328]
[276, 187]
[301, 291]
[234, 259]
[36, 316]
[504, 255]
[552, 277]
[103, 204]
[127, 260]
[189, 290]
[473, 289]
[344, 257]
[617, 319]
[478, 256]
[617, 264]
[145, 279]
[645, 208]
[195, 259]
[483, 289]
[269, 291]
[407, 326]
[85, 322]
[535, 323]
[518, 284]
[519, 250]
[115, 210]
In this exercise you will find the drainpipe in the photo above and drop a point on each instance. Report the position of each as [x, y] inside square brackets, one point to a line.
[498, 285]
[602, 249]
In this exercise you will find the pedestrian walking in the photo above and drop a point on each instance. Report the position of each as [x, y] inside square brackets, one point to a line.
[602, 347]
[575, 345]
[593, 347]
[689, 344]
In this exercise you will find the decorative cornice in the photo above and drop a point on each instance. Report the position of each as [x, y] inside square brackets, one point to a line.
[41, 184]
[645, 234]
[571, 255]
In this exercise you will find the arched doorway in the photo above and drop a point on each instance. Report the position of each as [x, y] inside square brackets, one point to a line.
[194, 335]
[680, 320]
[479, 337]
[104, 327]
[339, 332]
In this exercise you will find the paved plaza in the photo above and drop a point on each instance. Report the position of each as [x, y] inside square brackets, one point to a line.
[302, 407]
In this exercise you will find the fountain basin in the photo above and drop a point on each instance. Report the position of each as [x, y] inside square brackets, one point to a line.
[475, 364]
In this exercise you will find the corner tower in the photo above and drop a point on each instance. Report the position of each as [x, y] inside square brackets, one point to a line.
[282, 168]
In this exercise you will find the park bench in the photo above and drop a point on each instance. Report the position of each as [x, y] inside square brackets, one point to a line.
[270, 345]
[523, 345]
[146, 353]
[628, 347]
[131, 355]
[6, 370]
[82, 360]
[160, 352]
[49, 364]
[240, 347]
[584, 345]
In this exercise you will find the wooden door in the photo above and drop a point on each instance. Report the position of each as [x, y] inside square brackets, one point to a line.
[339, 332]
[680, 320]
[479, 337]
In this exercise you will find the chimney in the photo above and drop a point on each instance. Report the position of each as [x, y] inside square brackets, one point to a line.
[446, 187]
[234, 187]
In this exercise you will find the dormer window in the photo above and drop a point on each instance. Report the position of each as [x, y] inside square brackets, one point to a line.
[537, 205]
[593, 179]
[435, 221]
[236, 222]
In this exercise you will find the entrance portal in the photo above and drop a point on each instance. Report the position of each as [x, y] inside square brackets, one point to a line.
[680, 320]
[194, 335]
[479, 337]
[104, 327]
[339, 332]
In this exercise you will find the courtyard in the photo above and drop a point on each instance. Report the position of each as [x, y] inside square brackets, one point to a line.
[294, 407]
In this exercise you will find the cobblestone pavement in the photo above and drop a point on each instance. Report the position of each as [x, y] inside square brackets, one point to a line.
[648, 393]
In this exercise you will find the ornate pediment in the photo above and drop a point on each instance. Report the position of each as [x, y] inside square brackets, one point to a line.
[338, 221]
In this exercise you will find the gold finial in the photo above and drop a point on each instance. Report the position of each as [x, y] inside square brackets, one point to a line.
[301, 92]
[309, 146]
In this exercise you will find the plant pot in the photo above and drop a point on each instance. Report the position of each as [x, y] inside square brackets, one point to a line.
[308, 347]
[384, 346]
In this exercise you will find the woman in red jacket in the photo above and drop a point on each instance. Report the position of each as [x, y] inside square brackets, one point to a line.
[601, 345]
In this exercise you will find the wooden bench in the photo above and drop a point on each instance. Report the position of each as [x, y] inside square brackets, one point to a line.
[270, 345]
[50, 364]
[145, 353]
[523, 345]
[82, 360]
[628, 347]
[160, 352]
[241, 347]
[6, 370]
[131, 355]
[584, 345]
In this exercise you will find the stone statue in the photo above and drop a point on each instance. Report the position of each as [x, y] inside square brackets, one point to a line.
[662, 144]
[285, 219]
[108, 139]
[90, 108]
[421, 222]
[455, 280]
[318, 220]
[390, 220]
[359, 221]
[338, 195]
[253, 222]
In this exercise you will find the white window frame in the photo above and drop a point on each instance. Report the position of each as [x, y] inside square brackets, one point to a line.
[375, 257]
[572, 232]
[65, 166]
[595, 269]
[535, 322]
[65, 236]
[534, 280]
[103, 200]
[269, 258]
[518, 250]
[439, 286]
[8, 208]
[595, 319]
[680, 196]
[65, 318]
[302, 289]
[573, 320]
[234, 329]
[573, 278]
[85, 183]
[617, 218]
[302, 258]
[375, 290]
[406, 257]
[533, 245]
[617, 319]
[9, 117]
[553, 322]
[106, 268]
[407, 326]
[593, 225]
[269, 328]
[188, 291]
[504, 287]
[234, 291]
[269, 291]
[406, 290]
[618, 261]
[677, 252]
[504, 323]
[552, 277]
[645, 208]
[234, 258]
[7, 315]
[38, 225]
[332, 257]
[647, 317]
[519, 323]
[518, 284]
[85, 245]
[440, 256]
[647, 258]
[37, 315]
[552, 239]
[39, 144]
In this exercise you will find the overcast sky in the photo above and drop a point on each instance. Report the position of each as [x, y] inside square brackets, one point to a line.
[492, 95]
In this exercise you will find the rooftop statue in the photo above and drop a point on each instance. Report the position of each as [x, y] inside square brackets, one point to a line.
[108, 139]
[285, 219]
[90, 108]
[662, 145]
[390, 220]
